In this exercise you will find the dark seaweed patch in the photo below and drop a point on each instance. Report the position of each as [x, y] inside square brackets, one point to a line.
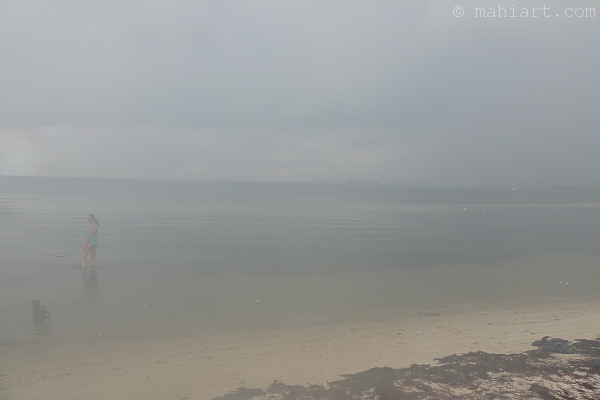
[535, 374]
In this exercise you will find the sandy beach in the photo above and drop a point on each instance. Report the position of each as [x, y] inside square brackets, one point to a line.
[210, 366]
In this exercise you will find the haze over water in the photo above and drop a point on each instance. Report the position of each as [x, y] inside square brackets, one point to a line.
[189, 258]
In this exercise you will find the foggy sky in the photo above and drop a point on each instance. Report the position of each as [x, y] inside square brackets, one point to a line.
[400, 92]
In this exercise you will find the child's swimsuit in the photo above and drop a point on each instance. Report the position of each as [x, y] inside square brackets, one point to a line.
[94, 238]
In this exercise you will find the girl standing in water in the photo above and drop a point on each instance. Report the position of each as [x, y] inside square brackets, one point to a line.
[91, 242]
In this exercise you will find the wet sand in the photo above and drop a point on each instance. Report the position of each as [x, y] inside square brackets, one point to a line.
[208, 366]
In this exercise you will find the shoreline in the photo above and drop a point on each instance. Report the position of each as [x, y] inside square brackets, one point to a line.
[208, 366]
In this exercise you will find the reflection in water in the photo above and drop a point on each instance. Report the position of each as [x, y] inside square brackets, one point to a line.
[41, 318]
[41, 327]
[90, 299]
[89, 278]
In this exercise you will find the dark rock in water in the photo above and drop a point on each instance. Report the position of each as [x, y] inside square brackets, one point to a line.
[555, 345]
[40, 313]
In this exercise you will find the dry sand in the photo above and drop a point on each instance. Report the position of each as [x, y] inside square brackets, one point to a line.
[209, 366]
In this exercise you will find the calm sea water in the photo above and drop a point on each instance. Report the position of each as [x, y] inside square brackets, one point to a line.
[186, 258]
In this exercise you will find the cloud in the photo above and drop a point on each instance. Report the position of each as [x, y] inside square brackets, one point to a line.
[404, 93]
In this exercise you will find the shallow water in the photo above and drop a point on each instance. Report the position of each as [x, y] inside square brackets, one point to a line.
[190, 258]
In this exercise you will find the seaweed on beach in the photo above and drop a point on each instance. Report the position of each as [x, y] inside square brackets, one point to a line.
[535, 374]
[243, 393]
[278, 390]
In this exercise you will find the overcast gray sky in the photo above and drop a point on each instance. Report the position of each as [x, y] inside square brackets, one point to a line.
[400, 92]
